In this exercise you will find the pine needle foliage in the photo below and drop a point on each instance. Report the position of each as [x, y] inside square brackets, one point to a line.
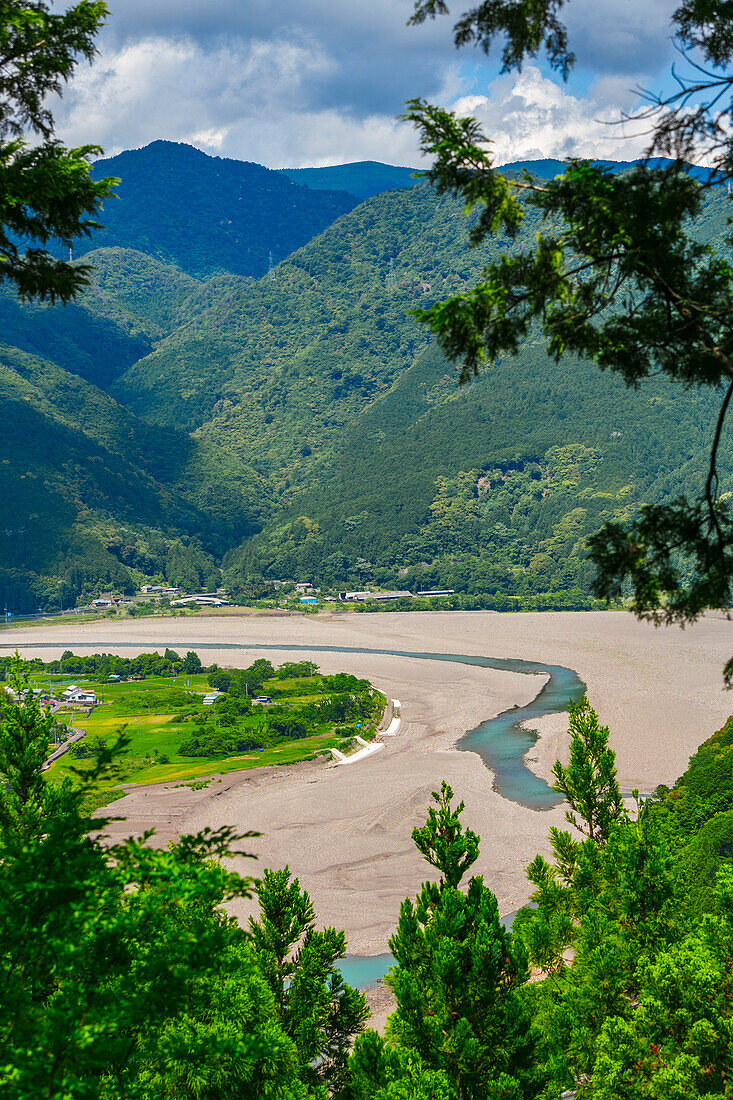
[615, 277]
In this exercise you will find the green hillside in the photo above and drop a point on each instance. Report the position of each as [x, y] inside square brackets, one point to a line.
[362, 179]
[303, 425]
[492, 489]
[317, 344]
[141, 295]
[92, 498]
[384, 468]
[131, 303]
[92, 345]
[207, 214]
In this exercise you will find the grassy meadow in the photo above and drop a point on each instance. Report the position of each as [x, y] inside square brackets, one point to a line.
[158, 715]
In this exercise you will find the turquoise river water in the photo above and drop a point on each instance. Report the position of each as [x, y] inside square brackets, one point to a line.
[501, 742]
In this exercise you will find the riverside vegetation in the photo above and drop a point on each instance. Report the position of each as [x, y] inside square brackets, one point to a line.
[121, 975]
[152, 711]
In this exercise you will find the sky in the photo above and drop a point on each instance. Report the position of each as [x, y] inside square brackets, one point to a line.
[294, 83]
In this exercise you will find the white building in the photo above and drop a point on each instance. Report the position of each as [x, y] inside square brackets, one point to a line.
[76, 694]
[203, 599]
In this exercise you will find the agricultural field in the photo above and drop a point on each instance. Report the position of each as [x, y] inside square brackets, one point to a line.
[170, 735]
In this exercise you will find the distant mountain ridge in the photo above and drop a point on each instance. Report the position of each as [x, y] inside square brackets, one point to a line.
[212, 215]
[363, 179]
[367, 178]
[207, 214]
[184, 417]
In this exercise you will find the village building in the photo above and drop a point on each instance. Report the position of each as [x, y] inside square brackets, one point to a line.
[379, 597]
[74, 694]
[159, 590]
[203, 599]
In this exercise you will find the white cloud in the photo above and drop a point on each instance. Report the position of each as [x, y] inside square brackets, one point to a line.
[529, 116]
[293, 84]
[182, 91]
[318, 138]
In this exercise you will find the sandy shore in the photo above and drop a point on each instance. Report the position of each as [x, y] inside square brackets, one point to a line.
[346, 831]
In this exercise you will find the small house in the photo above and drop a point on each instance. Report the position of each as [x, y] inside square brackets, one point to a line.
[78, 695]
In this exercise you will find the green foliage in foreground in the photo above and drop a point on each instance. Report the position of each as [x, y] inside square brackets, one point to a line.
[121, 975]
[47, 190]
[645, 1007]
[458, 974]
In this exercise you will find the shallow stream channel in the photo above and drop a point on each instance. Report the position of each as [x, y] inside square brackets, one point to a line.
[501, 742]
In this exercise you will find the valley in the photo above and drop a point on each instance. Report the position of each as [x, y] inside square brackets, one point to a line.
[366, 551]
[197, 425]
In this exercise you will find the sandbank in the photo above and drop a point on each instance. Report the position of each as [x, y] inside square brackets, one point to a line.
[346, 831]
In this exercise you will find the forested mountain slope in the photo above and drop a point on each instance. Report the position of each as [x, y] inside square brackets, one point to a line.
[303, 424]
[317, 343]
[92, 498]
[386, 470]
[492, 489]
[207, 214]
[91, 345]
[143, 296]
[132, 301]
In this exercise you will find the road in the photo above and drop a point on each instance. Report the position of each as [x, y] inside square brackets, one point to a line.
[62, 749]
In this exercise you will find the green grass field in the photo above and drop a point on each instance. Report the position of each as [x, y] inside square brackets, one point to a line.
[154, 734]
[292, 752]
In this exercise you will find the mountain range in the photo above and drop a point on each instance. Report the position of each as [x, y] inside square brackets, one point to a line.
[200, 412]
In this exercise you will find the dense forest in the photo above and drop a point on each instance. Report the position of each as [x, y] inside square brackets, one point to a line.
[124, 977]
[208, 214]
[195, 427]
[91, 498]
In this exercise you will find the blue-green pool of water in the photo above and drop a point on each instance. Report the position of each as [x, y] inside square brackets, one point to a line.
[501, 742]
[364, 971]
